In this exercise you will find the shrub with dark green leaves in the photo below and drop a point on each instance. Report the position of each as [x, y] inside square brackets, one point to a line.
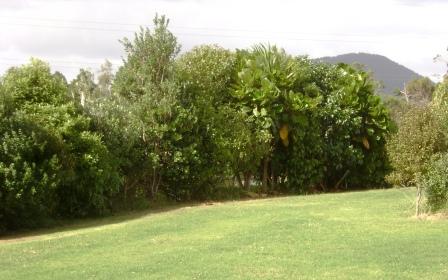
[29, 175]
[33, 83]
[326, 123]
[203, 154]
[355, 126]
[435, 183]
[88, 173]
[51, 163]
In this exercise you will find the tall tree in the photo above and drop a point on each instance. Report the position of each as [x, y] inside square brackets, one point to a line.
[82, 88]
[149, 60]
[146, 81]
[270, 89]
[105, 79]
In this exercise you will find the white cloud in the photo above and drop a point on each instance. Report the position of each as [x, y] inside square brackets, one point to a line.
[73, 34]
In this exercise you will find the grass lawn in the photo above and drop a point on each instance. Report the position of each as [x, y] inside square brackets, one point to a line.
[359, 235]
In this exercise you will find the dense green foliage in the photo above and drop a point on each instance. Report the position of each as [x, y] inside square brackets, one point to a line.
[29, 170]
[419, 137]
[435, 183]
[325, 122]
[419, 90]
[355, 125]
[209, 123]
[269, 89]
[158, 151]
[418, 150]
[51, 163]
[33, 84]
[205, 77]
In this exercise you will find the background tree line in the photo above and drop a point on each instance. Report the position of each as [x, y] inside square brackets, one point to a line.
[207, 124]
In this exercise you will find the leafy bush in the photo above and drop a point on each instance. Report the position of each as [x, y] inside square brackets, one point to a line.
[435, 183]
[435, 179]
[202, 155]
[325, 122]
[271, 90]
[29, 175]
[420, 136]
[33, 83]
[355, 126]
[51, 163]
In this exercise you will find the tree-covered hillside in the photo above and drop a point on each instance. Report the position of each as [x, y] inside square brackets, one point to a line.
[390, 74]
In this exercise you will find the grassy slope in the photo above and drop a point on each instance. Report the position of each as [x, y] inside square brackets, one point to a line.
[335, 236]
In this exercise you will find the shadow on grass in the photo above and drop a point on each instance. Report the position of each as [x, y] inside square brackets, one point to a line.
[61, 226]
[66, 225]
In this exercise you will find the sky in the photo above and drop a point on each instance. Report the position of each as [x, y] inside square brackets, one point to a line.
[74, 34]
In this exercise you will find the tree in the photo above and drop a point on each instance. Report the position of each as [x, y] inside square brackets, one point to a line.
[270, 90]
[33, 83]
[244, 143]
[146, 81]
[440, 96]
[419, 91]
[356, 125]
[149, 60]
[82, 88]
[205, 75]
[327, 126]
[420, 136]
[61, 77]
[88, 176]
[105, 79]
[435, 183]
[29, 172]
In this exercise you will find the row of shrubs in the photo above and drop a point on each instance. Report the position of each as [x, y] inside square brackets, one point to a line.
[206, 124]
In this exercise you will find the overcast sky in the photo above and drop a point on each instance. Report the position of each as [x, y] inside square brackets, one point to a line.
[73, 34]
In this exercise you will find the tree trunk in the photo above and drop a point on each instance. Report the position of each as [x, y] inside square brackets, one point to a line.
[238, 179]
[154, 182]
[158, 184]
[265, 175]
[341, 180]
[247, 178]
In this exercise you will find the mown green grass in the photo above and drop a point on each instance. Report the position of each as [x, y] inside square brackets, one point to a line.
[360, 235]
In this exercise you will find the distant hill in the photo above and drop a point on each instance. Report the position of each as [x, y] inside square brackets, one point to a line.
[391, 74]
